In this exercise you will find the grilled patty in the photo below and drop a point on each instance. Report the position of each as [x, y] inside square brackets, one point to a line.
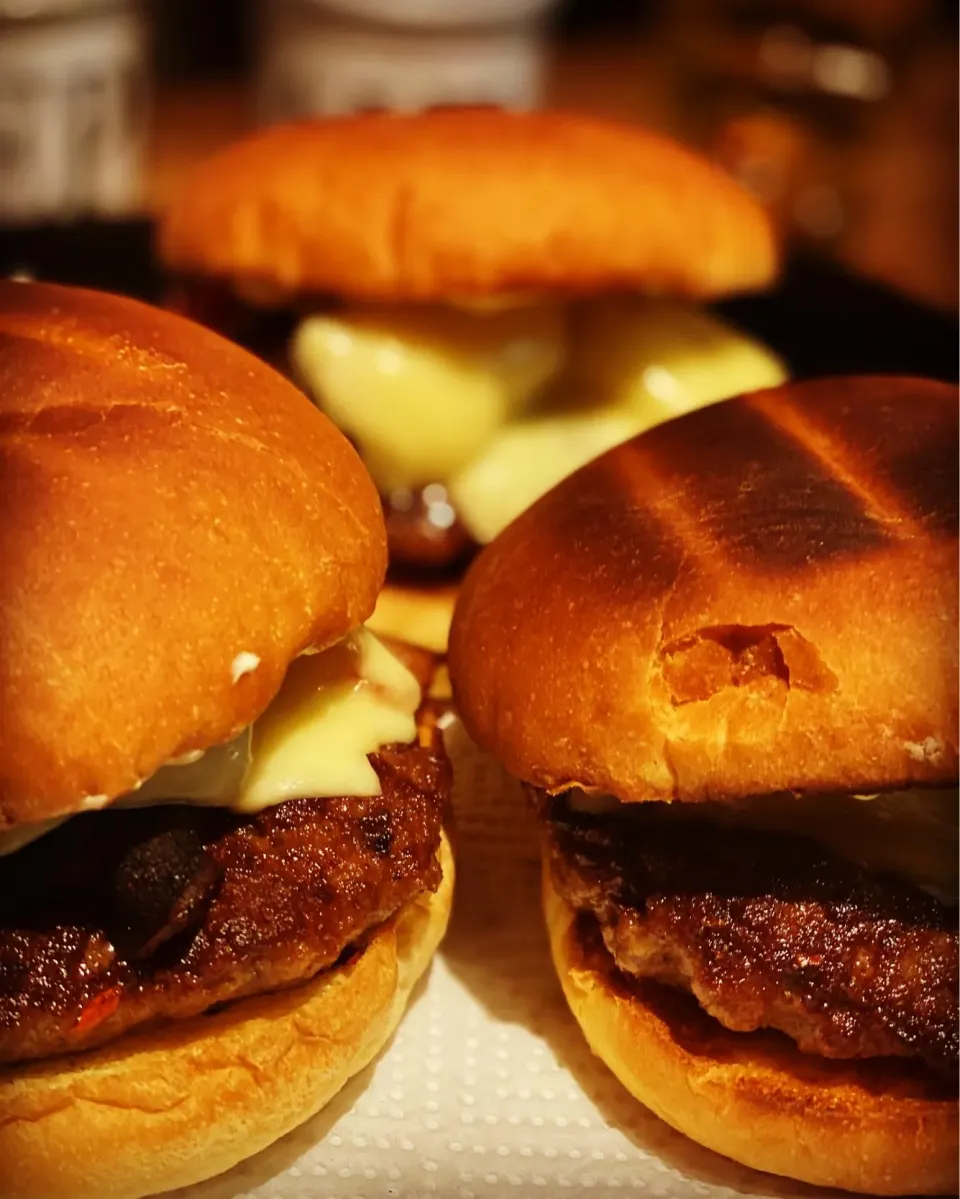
[767, 930]
[120, 919]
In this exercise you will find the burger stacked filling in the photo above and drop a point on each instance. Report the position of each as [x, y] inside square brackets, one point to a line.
[832, 920]
[280, 855]
[466, 413]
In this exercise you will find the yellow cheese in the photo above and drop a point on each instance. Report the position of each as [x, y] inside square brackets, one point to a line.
[421, 390]
[333, 709]
[662, 358]
[911, 833]
[474, 396]
[645, 361]
[213, 777]
[526, 459]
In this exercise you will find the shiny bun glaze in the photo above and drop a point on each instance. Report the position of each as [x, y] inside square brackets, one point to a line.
[456, 203]
[757, 597]
[195, 507]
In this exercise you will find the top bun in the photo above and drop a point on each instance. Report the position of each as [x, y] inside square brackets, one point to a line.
[458, 203]
[757, 597]
[167, 503]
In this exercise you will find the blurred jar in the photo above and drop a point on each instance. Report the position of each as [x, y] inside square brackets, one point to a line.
[347, 55]
[784, 92]
[72, 107]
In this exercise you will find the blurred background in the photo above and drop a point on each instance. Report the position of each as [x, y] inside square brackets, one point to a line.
[840, 114]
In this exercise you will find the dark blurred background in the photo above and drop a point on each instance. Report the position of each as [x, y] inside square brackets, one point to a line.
[840, 114]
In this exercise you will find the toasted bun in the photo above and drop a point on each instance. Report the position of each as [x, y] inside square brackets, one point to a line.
[874, 1127]
[414, 613]
[758, 597]
[167, 502]
[466, 202]
[158, 1111]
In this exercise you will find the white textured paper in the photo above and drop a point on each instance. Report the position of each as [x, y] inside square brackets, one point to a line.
[488, 1087]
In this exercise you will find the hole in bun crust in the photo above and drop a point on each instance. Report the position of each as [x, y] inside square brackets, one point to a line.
[712, 659]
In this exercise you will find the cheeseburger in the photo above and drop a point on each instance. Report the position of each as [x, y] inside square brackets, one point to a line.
[222, 861]
[482, 300]
[723, 660]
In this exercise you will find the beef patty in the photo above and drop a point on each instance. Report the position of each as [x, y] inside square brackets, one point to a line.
[767, 930]
[120, 919]
[425, 536]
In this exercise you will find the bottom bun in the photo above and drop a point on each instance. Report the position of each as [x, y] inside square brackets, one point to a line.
[877, 1127]
[157, 1111]
[418, 614]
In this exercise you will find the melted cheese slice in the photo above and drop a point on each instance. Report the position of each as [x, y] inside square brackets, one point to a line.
[420, 390]
[662, 358]
[911, 833]
[333, 709]
[645, 361]
[526, 459]
[500, 401]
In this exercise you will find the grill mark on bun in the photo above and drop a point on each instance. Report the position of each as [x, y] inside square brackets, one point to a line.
[774, 505]
[722, 606]
[908, 461]
[649, 550]
[904, 487]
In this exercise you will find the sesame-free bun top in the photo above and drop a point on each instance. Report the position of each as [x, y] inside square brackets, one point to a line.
[457, 203]
[757, 597]
[173, 515]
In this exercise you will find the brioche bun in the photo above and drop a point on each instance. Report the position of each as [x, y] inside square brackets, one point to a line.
[161, 1110]
[758, 597]
[195, 506]
[459, 203]
[873, 1127]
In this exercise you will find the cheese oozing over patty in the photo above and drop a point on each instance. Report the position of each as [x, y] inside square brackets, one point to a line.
[501, 401]
[333, 709]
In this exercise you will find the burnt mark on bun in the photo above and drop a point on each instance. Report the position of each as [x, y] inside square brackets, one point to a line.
[928, 475]
[595, 534]
[897, 452]
[785, 508]
[913, 443]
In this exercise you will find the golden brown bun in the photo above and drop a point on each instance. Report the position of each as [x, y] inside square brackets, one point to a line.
[166, 503]
[760, 596]
[158, 1111]
[466, 202]
[874, 1127]
[418, 614]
